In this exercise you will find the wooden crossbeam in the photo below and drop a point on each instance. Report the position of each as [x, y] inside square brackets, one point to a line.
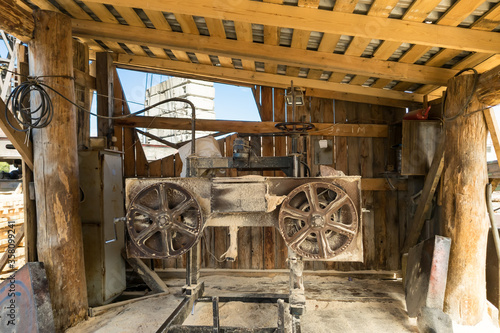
[15, 20]
[311, 92]
[249, 77]
[355, 130]
[329, 22]
[274, 54]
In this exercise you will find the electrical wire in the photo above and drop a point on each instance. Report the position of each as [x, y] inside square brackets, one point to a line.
[468, 100]
[43, 114]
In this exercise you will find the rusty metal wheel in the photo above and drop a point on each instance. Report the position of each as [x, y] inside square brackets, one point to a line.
[318, 220]
[164, 220]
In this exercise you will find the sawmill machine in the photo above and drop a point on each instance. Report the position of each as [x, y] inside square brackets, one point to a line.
[319, 218]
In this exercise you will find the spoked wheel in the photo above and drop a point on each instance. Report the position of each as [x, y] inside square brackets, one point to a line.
[164, 220]
[318, 220]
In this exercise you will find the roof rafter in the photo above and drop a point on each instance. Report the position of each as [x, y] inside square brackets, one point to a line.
[249, 77]
[262, 52]
[329, 22]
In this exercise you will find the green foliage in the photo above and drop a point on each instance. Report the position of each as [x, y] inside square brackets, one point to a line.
[4, 166]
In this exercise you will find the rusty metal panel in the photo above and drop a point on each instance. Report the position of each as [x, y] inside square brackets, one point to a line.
[238, 197]
[426, 274]
[25, 301]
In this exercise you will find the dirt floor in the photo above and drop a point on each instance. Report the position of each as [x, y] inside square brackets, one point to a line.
[334, 304]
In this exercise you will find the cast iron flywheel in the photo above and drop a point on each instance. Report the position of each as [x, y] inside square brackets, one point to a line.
[164, 220]
[318, 220]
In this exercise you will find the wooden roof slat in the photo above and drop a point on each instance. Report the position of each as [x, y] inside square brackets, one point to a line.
[203, 59]
[130, 16]
[136, 49]
[413, 54]
[248, 77]
[216, 29]
[45, 5]
[380, 83]
[419, 10]
[336, 77]
[489, 20]
[314, 74]
[159, 52]
[345, 6]
[442, 57]
[188, 26]
[331, 22]
[358, 80]
[300, 39]
[385, 50]
[73, 9]
[328, 42]
[458, 12]
[308, 3]
[382, 8]
[158, 20]
[244, 33]
[101, 12]
[292, 71]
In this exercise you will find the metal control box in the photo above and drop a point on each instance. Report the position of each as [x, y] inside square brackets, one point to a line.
[102, 200]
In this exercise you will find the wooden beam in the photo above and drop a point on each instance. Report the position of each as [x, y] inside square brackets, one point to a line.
[381, 184]
[149, 276]
[329, 22]
[18, 139]
[262, 52]
[430, 184]
[491, 122]
[105, 100]
[85, 79]
[258, 78]
[15, 20]
[488, 87]
[60, 245]
[355, 130]
[360, 98]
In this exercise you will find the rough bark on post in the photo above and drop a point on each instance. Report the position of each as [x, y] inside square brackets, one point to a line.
[464, 205]
[60, 245]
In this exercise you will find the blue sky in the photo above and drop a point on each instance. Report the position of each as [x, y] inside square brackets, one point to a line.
[231, 102]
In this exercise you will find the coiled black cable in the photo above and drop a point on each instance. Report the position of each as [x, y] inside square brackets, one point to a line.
[26, 117]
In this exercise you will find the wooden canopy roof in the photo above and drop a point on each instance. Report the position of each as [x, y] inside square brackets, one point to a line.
[386, 51]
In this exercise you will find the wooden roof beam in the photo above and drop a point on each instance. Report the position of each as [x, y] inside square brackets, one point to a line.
[329, 22]
[262, 52]
[249, 77]
[15, 20]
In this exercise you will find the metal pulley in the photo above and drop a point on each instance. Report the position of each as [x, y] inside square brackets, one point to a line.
[163, 220]
[318, 220]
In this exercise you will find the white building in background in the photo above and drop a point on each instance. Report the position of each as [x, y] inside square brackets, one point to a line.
[200, 93]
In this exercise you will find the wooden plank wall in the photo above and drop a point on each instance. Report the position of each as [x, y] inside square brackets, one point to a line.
[264, 248]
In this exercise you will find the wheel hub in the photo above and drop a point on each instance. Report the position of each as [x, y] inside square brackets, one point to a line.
[317, 221]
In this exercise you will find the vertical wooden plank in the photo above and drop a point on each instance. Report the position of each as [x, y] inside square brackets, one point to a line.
[340, 142]
[129, 152]
[141, 163]
[244, 248]
[155, 169]
[118, 109]
[379, 197]
[167, 166]
[178, 165]
[104, 88]
[366, 168]
[353, 142]
[81, 62]
[229, 152]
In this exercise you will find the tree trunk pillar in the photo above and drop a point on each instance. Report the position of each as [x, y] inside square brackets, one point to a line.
[60, 244]
[464, 214]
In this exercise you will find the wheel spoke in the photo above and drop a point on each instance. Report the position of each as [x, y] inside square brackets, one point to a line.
[299, 236]
[141, 209]
[146, 233]
[182, 208]
[342, 228]
[312, 197]
[294, 213]
[185, 229]
[324, 247]
[162, 193]
[336, 204]
[166, 241]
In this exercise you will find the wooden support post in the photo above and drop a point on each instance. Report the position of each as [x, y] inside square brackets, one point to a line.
[29, 203]
[105, 101]
[464, 205]
[60, 245]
